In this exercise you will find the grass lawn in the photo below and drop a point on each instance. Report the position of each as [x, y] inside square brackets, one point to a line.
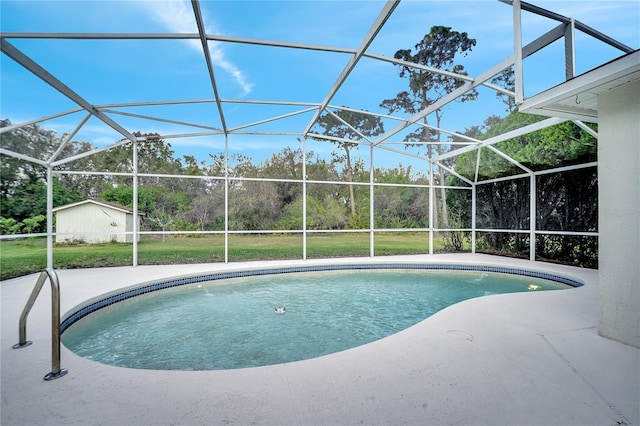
[21, 257]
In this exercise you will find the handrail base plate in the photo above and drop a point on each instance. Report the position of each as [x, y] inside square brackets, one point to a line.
[52, 376]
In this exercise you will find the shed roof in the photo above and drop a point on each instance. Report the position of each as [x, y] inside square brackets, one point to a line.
[106, 204]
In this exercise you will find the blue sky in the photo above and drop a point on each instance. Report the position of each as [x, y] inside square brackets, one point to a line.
[106, 72]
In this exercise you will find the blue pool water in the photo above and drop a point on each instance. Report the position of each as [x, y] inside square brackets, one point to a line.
[233, 324]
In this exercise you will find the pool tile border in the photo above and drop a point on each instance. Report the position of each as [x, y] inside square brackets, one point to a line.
[145, 288]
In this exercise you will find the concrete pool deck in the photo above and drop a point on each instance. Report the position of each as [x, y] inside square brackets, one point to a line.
[519, 359]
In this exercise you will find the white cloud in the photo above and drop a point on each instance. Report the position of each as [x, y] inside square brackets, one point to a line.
[177, 16]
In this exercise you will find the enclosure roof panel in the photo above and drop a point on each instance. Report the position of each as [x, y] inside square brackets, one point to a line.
[194, 72]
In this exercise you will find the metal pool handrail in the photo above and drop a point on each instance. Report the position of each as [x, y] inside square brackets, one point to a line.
[56, 371]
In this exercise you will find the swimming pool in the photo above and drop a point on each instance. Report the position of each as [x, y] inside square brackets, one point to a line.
[228, 320]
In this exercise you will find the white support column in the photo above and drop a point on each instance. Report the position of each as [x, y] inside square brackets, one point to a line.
[431, 207]
[532, 217]
[517, 52]
[136, 230]
[619, 213]
[371, 203]
[49, 216]
[304, 198]
[569, 49]
[473, 218]
[474, 202]
[226, 198]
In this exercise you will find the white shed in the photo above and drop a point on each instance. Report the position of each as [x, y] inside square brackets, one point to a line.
[94, 221]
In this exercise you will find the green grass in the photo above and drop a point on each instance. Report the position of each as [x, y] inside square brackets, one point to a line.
[26, 256]
[22, 257]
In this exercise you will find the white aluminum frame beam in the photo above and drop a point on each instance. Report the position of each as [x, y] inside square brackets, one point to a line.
[452, 96]
[26, 62]
[162, 120]
[586, 128]
[405, 153]
[356, 131]
[181, 135]
[391, 117]
[453, 172]
[579, 25]
[207, 57]
[24, 157]
[517, 53]
[240, 40]
[336, 139]
[38, 120]
[269, 120]
[570, 49]
[68, 138]
[89, 153]
[384, 15]
[543, 124]
[508, 158]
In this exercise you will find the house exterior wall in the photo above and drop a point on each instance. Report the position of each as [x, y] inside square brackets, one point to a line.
[93, 223]
[619, 213]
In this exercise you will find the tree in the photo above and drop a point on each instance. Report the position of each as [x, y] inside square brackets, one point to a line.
[31, 224]
[88, 186]
[193, 167]
[437, 49]
[22, 184]
[155, 156]
[286, 164]
[31, 140]
[9, 226]
[325, 213]
[400, 207]
[491, 121]
[119, 195]
[207, 209]
[349, 126]
[162, 219]
[253, 205]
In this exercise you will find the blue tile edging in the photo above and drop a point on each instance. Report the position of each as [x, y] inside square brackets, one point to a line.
[109, 300]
